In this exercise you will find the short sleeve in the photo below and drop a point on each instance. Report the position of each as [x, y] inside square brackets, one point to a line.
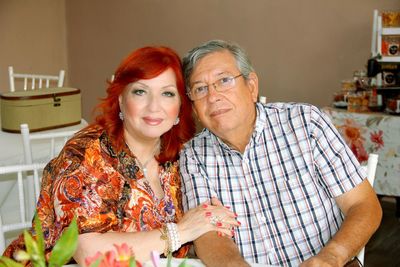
[337, 167]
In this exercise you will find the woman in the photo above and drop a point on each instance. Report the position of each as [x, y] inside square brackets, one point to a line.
[119, 176]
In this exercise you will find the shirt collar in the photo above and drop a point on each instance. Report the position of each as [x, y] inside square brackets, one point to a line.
[260, 123]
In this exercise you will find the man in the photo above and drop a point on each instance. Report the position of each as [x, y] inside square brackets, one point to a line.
[296, 187]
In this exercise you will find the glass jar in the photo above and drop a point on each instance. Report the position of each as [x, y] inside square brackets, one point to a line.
[357, 102]
[391, 19]
[361, 79]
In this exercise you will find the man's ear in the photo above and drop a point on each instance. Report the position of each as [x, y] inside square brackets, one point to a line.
[252, 82]
[195, 111]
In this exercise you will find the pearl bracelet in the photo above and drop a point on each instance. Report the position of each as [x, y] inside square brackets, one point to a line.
[170, 234]
[173, 237]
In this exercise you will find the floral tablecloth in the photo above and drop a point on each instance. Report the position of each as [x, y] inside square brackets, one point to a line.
[376, 133]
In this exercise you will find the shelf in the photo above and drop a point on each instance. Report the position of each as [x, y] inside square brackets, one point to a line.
[389, 59]
[391, 31]
[393, 88]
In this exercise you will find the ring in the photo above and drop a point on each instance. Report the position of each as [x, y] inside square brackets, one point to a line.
[215, 219]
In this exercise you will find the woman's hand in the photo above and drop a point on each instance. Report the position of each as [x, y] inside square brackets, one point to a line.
[205, 218]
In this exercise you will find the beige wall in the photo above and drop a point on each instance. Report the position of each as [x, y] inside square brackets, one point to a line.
[300, 49]
[32, 38]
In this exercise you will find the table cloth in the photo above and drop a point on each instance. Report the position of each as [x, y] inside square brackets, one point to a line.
[373, 133]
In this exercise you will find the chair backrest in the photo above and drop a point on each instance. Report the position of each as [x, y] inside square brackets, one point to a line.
[41, 147]
[20, 174]
[35, 80]
[371, 171]
[54, 141]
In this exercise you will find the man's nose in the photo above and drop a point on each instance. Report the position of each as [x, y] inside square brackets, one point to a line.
[213, 93]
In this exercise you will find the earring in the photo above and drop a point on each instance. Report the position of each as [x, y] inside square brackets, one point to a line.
[177, 121]
[121, 116]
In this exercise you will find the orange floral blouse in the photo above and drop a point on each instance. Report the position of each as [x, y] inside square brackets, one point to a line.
[105, 190]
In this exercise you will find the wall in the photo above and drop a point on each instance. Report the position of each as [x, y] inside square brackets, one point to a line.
[32, 38]
[301, 49]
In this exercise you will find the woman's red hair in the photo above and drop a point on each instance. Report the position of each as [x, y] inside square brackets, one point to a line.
[147, 63]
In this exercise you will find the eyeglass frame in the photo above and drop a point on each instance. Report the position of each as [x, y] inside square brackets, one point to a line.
[216, 88]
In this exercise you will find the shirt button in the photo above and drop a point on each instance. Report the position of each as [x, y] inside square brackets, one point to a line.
[262, 218]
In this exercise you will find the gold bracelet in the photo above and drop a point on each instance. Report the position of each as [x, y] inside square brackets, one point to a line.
[164, 237]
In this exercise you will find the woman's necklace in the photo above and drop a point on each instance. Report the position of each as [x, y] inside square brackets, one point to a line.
[143, 166]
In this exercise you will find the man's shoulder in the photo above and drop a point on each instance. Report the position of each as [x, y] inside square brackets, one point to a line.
[288, 107]
[200, 140]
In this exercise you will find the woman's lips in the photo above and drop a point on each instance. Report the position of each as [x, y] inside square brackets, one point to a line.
[152, 121]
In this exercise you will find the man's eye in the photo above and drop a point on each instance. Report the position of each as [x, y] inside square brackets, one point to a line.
[200, 90]
[225, 80]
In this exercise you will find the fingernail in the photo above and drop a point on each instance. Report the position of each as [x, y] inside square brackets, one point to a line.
[235, 214]
[204, 205]
[232, 233]
[239, 223]
[228, 207]
[218, 224]
[208, 213]
[219, 233]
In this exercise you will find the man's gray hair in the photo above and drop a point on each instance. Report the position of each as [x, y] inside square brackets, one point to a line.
[193, 56]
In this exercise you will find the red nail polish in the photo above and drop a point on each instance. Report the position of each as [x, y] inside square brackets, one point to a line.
[208, 213]
[239, 223]
[205, 206]
[235, 214]
[228, 207]
[218, 224]
[219, 233]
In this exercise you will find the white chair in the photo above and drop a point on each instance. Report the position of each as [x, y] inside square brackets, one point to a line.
[22, 174]
[54, 141]
[35, 80]
[46, 145]
[371, 170]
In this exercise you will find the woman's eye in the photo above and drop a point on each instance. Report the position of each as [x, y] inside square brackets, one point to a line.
[138, 91]
[169, 94]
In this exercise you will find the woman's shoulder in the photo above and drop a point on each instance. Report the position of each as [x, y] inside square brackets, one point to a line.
[76, 149]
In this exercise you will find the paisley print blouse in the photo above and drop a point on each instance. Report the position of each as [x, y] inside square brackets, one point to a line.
[106, 191]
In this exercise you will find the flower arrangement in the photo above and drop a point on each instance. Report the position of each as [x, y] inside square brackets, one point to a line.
[65, 248]
[62, 251]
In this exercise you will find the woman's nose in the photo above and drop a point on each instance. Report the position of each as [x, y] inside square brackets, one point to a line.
[154, 103]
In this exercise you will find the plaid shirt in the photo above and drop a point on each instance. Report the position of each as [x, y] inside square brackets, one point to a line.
[282, 187]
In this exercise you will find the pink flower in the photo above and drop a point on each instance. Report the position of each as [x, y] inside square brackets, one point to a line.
[377, 139]
[122, 258]
[352, 134]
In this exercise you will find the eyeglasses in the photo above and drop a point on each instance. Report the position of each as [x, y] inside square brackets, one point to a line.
[200, 91]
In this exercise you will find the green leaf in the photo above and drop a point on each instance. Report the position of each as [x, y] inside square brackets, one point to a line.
[183, 263]
[169, 258]
[7, 262]
[132, 262]
[39, 240]
[65, 247]
[29, 243]
[39, 234]
[97, 262]
[37, 258]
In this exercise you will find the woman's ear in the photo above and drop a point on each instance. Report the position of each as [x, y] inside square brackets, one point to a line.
[120, 102]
